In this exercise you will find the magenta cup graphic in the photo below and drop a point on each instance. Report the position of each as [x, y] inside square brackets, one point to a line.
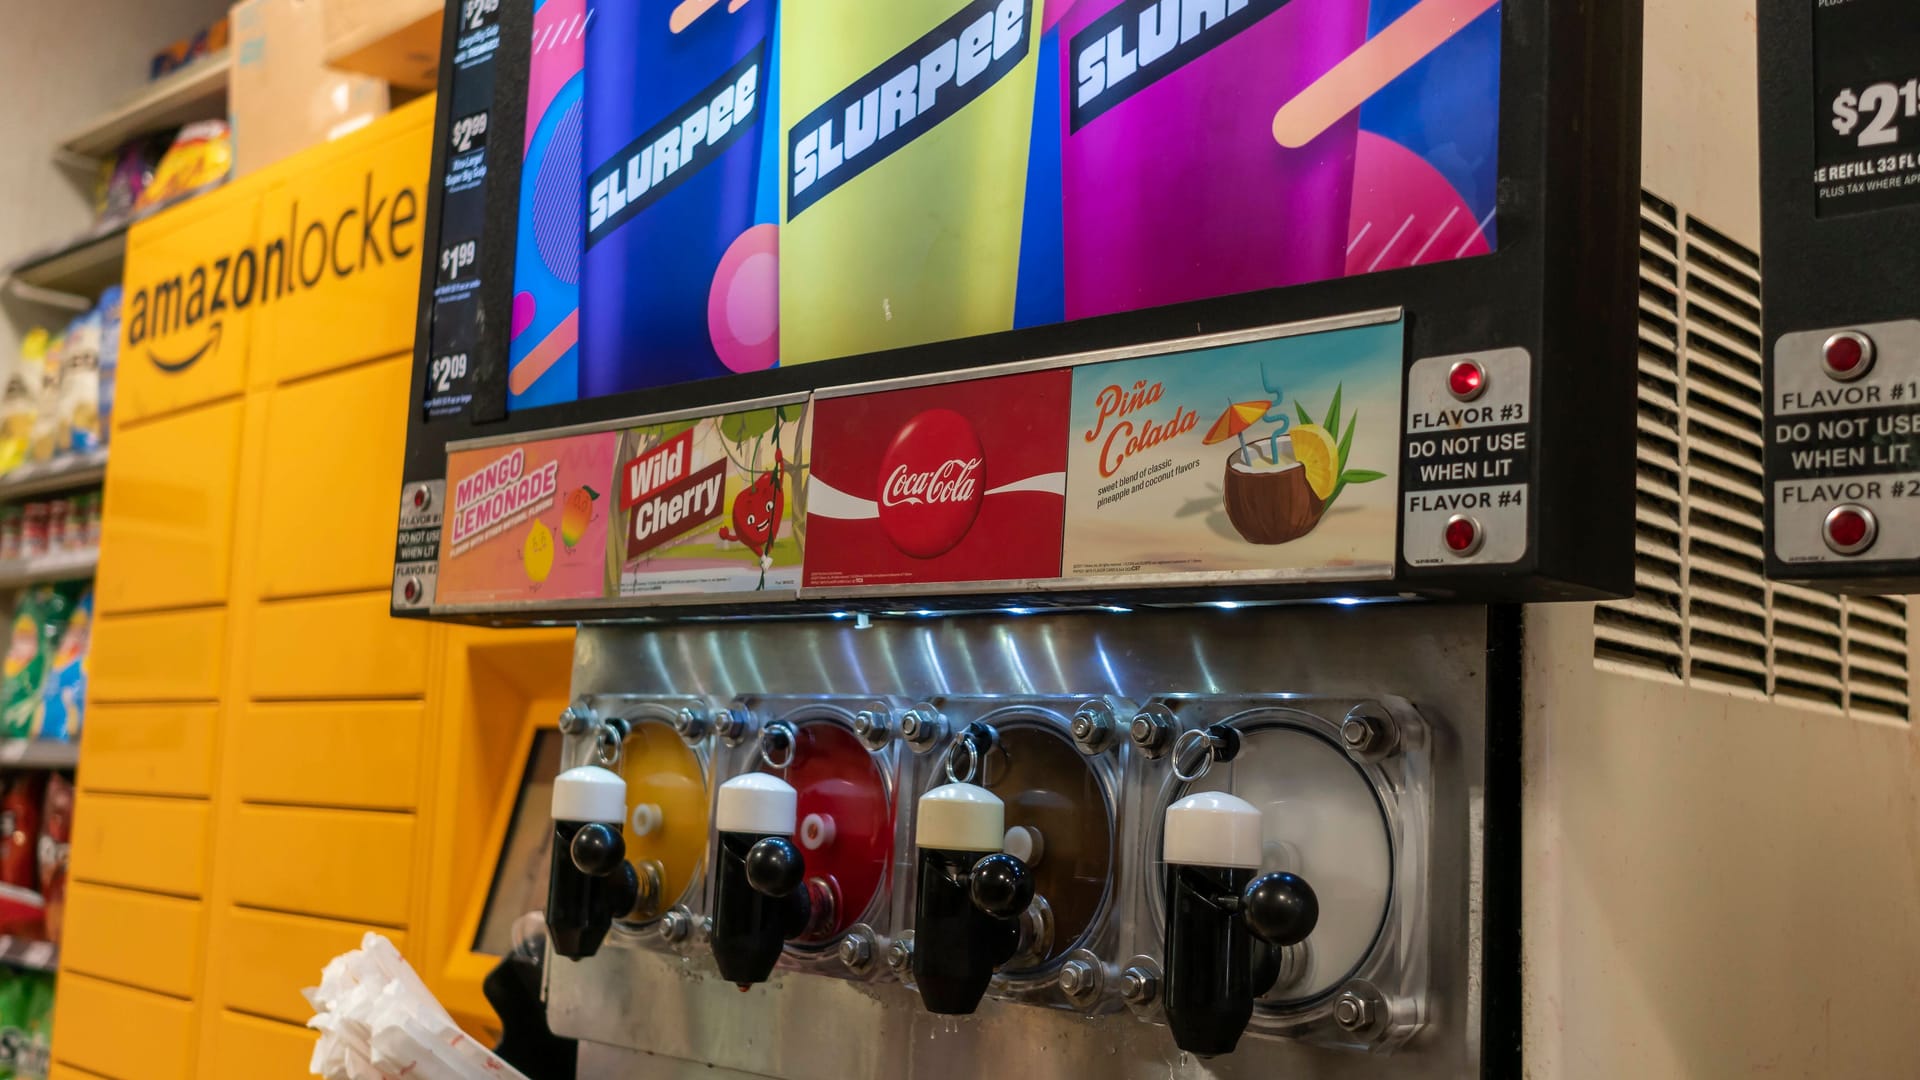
[1173, 186]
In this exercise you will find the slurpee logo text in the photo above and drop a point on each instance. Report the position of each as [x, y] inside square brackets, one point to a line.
[692, 137]
[1140, 42]
[501, 494]
[1129, 435]
[904, 98]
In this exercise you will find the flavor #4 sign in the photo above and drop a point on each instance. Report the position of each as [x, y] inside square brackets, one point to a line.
[1275, 459]
[526, 523]
[955, 482]
[715, 505]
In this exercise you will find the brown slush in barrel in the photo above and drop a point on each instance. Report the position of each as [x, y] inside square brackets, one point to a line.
[1048, 786]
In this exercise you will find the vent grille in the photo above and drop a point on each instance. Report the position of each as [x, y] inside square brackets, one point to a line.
[1703, 612]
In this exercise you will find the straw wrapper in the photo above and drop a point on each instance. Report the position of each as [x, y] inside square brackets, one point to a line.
[378, 1021]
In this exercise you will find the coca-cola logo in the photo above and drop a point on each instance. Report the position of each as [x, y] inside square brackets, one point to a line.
[930, 483]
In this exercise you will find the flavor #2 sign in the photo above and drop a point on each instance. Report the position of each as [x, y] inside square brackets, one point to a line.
[956, 482]
[763, 183]
[715, 505]
[1274, 459]
[526, 523]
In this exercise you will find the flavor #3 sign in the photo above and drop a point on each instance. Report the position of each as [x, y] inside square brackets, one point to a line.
[1274, 459]
[715, 505]
[526, 523]
[955, 482]
[762, 183]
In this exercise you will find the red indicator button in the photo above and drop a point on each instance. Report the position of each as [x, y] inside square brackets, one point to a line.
[412, 590]
[1847, 355]
[1466, 380]
[1462, 535]
[1850, 529]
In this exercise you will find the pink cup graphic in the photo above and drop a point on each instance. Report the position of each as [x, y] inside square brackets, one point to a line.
[1176, 189]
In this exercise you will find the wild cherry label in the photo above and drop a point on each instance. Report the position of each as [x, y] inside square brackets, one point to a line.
[930, 483]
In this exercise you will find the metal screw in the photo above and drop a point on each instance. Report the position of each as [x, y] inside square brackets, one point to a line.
[1138, 986]
[900, 956]
[1368, 732]
[856, 951]
[1150, 731]
[576, 719]
[1353, 1011]
[690, 724]
[675, 926]
[1092, 726]
[705, 932]
[1078, 978]
[922, 727]
[872, 728]
[730, 725]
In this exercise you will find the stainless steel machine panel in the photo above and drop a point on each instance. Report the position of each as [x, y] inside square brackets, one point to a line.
[638, 1008]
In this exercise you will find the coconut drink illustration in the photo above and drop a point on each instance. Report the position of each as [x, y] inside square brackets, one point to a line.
[1279, 486]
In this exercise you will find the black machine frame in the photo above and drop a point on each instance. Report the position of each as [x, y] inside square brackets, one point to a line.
[1561, 285]
[1837, 270]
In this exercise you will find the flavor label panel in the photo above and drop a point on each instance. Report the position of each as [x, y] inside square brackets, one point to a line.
[1274, 459]
[711, 505]
[526, 523]
[1851, 439]
[1469, 461]
[957, 482]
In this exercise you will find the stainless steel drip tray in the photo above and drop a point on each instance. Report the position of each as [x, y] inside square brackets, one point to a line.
[802, 1027]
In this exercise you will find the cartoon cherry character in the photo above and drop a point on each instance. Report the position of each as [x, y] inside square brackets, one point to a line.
[756, 515]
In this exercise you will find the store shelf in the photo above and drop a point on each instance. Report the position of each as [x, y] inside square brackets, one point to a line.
[61, 474]
[39, 754]
[29, 955]
[42, 569]
[80, 268]
[195, 92]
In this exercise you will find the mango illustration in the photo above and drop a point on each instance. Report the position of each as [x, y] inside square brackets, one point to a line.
[579, 511]
[537, 552]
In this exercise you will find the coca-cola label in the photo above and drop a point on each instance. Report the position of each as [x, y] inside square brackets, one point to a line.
[956, 482]
[930, 483]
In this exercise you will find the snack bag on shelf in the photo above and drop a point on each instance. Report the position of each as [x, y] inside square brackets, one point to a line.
[38, 621]
[109, 310]
[56, 840]
[77, 409]
[43, 442]
[20, 396]
[201, 155]
[20, 830]
[66, 682]
[14, 989]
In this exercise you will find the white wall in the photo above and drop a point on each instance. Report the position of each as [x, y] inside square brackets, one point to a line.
[1715, 885]
[63, 62]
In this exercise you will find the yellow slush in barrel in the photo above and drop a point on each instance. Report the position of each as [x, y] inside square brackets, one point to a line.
[905, 128]
[666, 808]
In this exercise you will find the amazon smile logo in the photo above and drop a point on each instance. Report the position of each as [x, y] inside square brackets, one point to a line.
[337, 244]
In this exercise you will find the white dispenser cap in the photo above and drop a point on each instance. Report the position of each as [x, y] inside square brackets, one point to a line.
[757, 803]
[1213, 829]
[961, 817]
[591, 794]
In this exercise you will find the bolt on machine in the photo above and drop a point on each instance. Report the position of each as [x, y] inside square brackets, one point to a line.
[1046, 489]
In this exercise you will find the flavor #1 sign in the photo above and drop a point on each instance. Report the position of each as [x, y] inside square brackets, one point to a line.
[714, 505]
[527, 522]
[956, 482]
[1273, 459]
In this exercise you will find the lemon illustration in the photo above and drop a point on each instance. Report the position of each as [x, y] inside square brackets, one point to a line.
[537, 552]
[1317, 453]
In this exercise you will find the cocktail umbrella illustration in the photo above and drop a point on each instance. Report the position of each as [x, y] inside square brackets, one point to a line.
[1234, 423]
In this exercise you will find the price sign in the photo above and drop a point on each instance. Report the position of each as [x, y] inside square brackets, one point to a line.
[1867, 78]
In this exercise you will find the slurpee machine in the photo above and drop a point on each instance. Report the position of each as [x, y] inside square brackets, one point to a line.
[1046, 489]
